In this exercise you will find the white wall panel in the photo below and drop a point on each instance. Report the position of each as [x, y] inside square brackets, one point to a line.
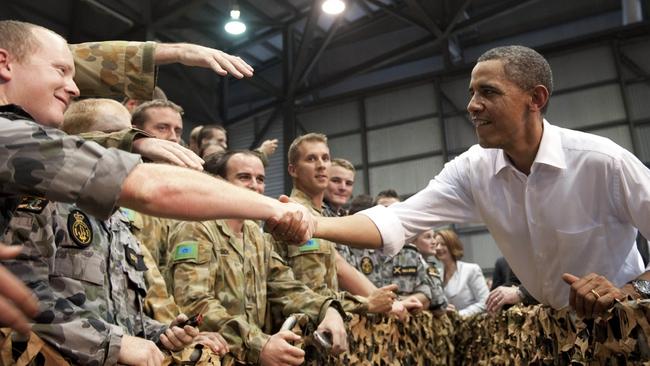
[587, 107]
[569, 69]
[638, 96]
[403, 140]
[481, 249]
[460, 133]
[457, 91]
[618, 134]
[331, 119]
[400, 104]
[644, 146]
[639, 53]
[346, 147]
[406, 177]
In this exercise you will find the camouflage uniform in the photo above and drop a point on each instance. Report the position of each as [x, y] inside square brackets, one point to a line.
[408, 270]
[351, 255]
[158, 303]
[88, 277]
[154, 233]
[314, 263]
[43, 161]
[231, 280]
[115, 69]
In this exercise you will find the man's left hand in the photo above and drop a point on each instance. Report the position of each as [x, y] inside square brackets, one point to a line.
[176, 338]
[592, 295]
[333, 324]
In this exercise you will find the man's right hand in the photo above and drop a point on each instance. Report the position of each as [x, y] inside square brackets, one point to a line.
[139, 351]
[16, 300]
[278, 351]
[163, 151]
[381, 300]
[293, 224]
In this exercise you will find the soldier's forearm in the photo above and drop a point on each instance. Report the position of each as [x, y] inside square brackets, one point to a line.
[184, 194]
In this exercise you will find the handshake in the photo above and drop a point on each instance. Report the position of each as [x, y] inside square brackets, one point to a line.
[293, 223]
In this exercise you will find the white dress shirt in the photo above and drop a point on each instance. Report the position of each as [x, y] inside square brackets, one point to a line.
[577, 211]
[467, 289]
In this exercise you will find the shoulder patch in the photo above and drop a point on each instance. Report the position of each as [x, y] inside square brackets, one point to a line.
[79, 228]
[312, 244]
[432, 271]
[32, 204]
[187, 250]
[366, 265]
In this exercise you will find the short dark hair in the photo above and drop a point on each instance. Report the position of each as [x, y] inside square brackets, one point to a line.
[360, 203]
[388, 193]
[206, 131]
[140, 116]
[217, 164]
[523, 66]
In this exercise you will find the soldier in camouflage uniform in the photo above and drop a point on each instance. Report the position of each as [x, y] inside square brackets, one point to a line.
[315, 262]
[413, 275]
[227, 271]
[88, 277]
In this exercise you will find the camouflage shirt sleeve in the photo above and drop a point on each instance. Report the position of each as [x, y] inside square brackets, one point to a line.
[291, 295]
[74, 331]
[122, 140]
[428, 283]
[44, 161]
[115, 69]
[194, 290]
[158, 303]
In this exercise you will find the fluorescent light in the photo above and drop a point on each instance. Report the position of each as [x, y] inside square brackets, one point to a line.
[235, 26]
[333, 6]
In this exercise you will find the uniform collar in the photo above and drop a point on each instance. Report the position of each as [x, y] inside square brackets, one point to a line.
[14, 112]
[302, 198]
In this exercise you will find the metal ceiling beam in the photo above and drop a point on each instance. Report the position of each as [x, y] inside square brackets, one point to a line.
[112, 12]
[398, 53]
[264, 85]
[424, 17]
[330, 35]
[396, 13]
[303, 49]
[267, 125]
[177, 11]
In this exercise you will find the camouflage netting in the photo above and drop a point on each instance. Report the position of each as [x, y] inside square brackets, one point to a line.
[520, 336]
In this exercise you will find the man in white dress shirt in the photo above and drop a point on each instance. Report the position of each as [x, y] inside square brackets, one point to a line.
[563, 206]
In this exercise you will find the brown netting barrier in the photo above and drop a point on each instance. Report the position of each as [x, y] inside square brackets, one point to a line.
[535, 335]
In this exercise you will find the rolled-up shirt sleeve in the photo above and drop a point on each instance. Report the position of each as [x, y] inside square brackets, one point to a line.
[389, 226]
[43, 161]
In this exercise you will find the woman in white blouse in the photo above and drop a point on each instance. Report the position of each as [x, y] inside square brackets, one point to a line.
[465, 286]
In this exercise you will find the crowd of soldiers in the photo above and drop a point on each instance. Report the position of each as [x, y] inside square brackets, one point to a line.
[111, 259]
[110, 272]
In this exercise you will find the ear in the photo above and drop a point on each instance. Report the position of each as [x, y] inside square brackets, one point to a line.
[539, 98]
[292, 170]
[5, 65]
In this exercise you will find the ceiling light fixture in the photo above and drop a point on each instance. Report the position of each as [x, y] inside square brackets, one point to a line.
[333, 6]
[234, 25]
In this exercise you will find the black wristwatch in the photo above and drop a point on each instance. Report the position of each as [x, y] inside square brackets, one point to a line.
[642, 287]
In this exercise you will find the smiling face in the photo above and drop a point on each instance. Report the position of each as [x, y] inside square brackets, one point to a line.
[426, 243]
[442, 252]
[246, 171]
[42, 84]
[498, 108]
[340, 186]
[310, 171]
